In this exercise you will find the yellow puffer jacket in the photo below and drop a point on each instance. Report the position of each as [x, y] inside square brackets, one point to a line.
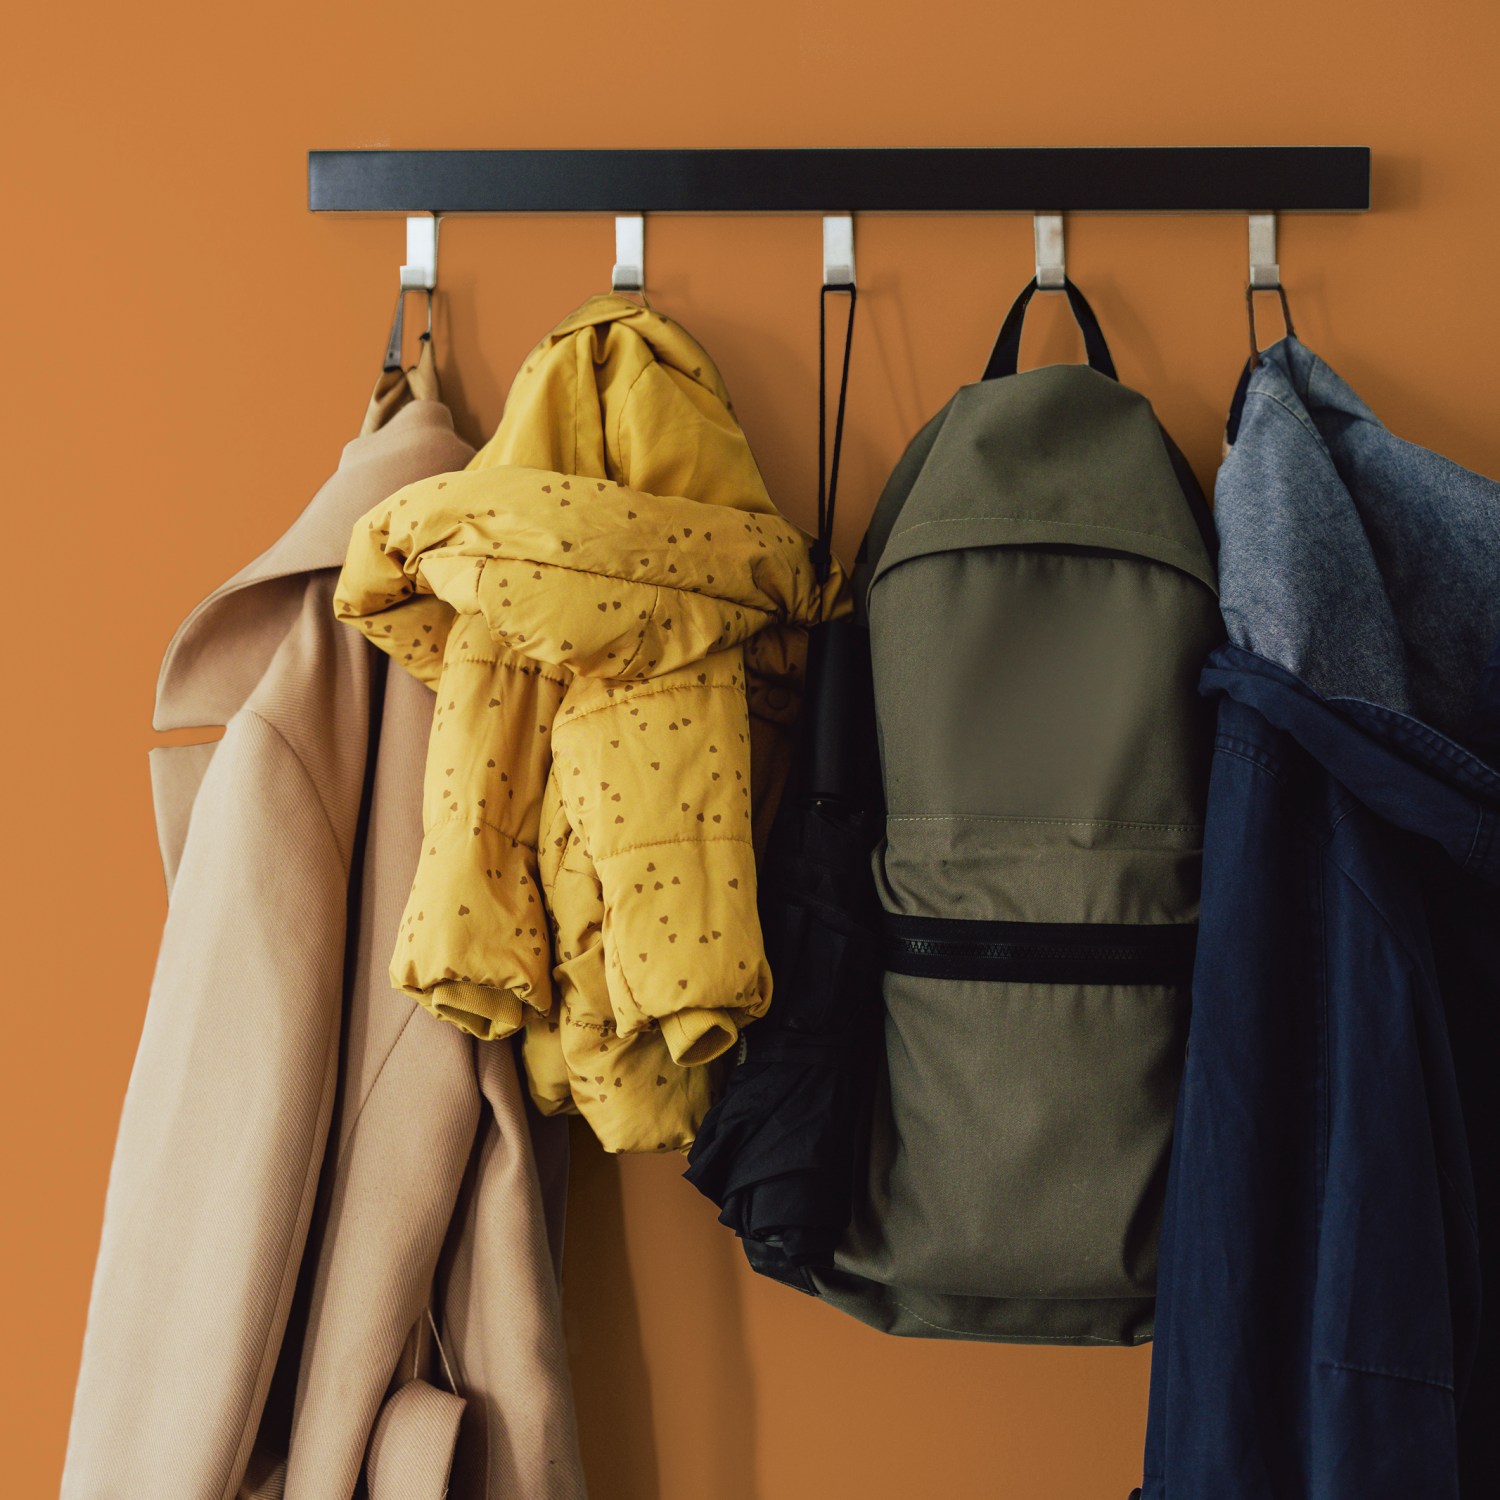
[612, 614]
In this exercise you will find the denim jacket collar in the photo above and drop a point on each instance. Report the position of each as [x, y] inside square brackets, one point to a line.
[1362, 572]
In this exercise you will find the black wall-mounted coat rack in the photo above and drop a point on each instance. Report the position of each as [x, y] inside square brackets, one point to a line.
[1108, 179]
[1047, 182]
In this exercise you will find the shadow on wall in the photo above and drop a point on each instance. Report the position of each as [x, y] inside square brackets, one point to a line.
[697, 1333]
[602, 1322]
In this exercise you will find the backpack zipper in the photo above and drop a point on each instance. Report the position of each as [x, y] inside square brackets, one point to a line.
[1041, 952]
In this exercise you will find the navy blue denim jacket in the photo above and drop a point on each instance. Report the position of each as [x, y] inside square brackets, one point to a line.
[1329, 1287]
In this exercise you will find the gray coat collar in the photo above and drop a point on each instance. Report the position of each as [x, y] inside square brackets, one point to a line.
[1364, 565]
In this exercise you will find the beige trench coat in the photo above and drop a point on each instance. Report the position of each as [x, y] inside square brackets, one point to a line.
[312, 1176]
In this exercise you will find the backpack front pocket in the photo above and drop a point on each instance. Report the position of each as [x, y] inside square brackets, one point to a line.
[1041, 952]
[1019, 1150]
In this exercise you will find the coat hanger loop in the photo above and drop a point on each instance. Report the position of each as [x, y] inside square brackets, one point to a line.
[1265, 276]
[838, 276]
[418, 274]
[393, 345]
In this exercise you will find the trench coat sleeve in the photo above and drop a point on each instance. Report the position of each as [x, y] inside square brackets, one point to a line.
[500, 1310]
[221, 1140]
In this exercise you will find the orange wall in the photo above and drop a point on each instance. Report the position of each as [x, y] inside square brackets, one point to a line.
[188, 348]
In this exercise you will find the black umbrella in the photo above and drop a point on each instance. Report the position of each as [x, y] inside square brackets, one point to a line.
[778, 1151]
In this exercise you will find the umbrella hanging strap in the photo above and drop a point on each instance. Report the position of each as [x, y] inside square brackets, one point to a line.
[828, 475]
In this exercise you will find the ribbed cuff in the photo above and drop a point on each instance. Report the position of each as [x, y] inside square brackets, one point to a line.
[697, 1036]
[489, 1014]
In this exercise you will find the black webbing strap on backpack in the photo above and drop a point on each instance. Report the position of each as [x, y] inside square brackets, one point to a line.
[1007, 349]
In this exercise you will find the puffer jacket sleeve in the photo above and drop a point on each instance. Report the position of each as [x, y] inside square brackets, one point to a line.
[473, 944]
[655, 779]
[634, 1097]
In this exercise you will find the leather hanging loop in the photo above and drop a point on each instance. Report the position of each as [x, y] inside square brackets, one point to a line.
[1007, 351]
[1265, 276]
[1286, 316]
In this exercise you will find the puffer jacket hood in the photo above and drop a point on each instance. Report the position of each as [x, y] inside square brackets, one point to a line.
[612, 613]
[572, 573]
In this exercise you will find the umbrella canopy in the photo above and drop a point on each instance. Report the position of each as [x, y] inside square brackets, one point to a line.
[778, 1151]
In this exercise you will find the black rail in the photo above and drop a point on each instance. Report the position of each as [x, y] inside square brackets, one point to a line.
[1093, 179]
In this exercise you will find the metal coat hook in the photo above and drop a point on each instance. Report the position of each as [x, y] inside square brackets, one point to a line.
[838, 251]
[1265, 276]
[419, 270]
[629, 274]
[1051, 259]
[418, 274]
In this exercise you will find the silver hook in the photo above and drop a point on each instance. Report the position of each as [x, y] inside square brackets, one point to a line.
[1265, 273]
[418, 274]
[629, 274]
[838, 250]
[1051, 259]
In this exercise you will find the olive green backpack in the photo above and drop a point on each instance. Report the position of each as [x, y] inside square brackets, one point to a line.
[1038, 582]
